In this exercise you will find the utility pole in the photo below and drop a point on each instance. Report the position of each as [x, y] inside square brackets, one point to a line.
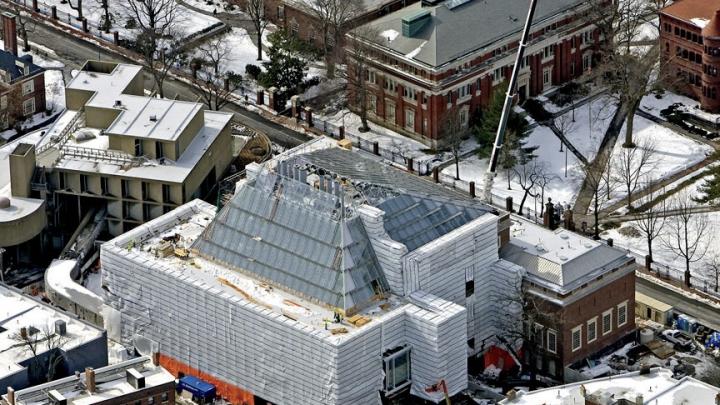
[511, 92]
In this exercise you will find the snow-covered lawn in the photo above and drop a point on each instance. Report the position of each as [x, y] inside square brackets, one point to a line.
[662, 254]
[653, 104]
[242, 51]
[190, 20]
[560, 188]
[591, 123]
[221, 6]
[673, 154]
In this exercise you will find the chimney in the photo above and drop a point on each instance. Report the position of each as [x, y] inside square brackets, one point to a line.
[60, 327]
[11, 396]
[610, 242]
[10, 33]
[23, 333]
[639, 400]
[90, 380]
[135, 378]
[156, 359]
[549, 215]
[568, 219]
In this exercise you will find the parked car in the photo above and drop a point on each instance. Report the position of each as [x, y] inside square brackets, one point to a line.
[680, 339]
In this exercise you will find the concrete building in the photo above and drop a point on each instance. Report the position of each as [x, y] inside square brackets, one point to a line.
[424, 63]
[690, 39]
[582, 293]
[62, 343]
[114, 148]
[22, 83]
[334, 278]
[135, 381]
[649, 386]
[299, 19]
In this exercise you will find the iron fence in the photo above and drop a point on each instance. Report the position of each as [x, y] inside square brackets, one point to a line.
[67, 18]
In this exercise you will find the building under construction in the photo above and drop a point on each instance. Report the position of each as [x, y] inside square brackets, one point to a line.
[329, 278]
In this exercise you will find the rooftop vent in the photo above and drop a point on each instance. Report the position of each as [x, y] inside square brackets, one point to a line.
[135, 378]
[56, 398]
[153, 118]
[415, 22]
[118, 103]
[60, 327]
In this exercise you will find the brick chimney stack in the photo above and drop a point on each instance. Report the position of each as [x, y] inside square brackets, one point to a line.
[549, 215]
[90, 380]
[10, 32]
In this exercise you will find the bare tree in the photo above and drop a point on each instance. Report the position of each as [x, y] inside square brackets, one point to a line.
[454, 132]
[44, 348]
[359, 75]
[628, 70]
[333, 17]
[255, 9]
[633, 164]
[565, 125]
[688, 234]
[527, 173]
[712, 270]
[107, 17]
[651, 221]
[25, 25]
[594, 174]
[159, 24]
[212, 81]
[77, 7]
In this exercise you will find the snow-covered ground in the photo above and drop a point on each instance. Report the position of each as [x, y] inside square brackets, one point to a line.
[241, 51]
[190, 20]
[220, 6]
[560, 188]
[591, 123]
[653, 104]
[648, 31]
[662, 254]
[673, 154]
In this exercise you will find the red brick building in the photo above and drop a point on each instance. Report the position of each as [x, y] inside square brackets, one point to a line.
[430, 58]
[22, 83]
[297, 18]
[690, 39]
[582, 294]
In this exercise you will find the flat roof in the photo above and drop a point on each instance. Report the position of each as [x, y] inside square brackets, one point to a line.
[19, 207]
[18, 311]
[652, 302]
[560, 256]
[658, 386]
[111, 382]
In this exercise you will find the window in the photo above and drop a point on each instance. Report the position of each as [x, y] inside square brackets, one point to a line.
[138, 147]
[622, 314]
[587, 61]
[498, 74]
[126, 210]
[164, 397]
[104, 186]
[389, 84]
[397, 370]
[546, 77]
[166, 193]
[28, 87]
[464, 117]
[587, 37]
[159, 150]
[61, 181]
[592, 330]
[390, 112]
[294, 28]
[607, 322]
[146, 212]
[372, 103]
[410, 119]
[151, 401]
[125, 188]
[281, 12]
[3, 102]
[83, 183]
[552, 341]
[409, 93]
[449, 97]
[29, 107]
[577, 338]
[145, 191]
[469, 282]
[370, 76]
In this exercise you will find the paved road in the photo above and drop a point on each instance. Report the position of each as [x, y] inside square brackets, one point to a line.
[74, 53]
[704, 313]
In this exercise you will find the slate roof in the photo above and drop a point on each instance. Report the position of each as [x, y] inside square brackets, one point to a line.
[8, 64]
[453, 33]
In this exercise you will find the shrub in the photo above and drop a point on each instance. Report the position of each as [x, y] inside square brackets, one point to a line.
[253, 71]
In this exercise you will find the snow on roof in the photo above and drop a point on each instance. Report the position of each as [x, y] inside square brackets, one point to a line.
[21, 311]
[111, 382]
[185, 224]
[658, 386]
[19, 207]
[560, 257]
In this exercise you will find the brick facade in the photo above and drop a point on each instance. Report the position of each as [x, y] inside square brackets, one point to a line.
[690, 50]
[608, 295]
[11, 96]
[563, 48]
